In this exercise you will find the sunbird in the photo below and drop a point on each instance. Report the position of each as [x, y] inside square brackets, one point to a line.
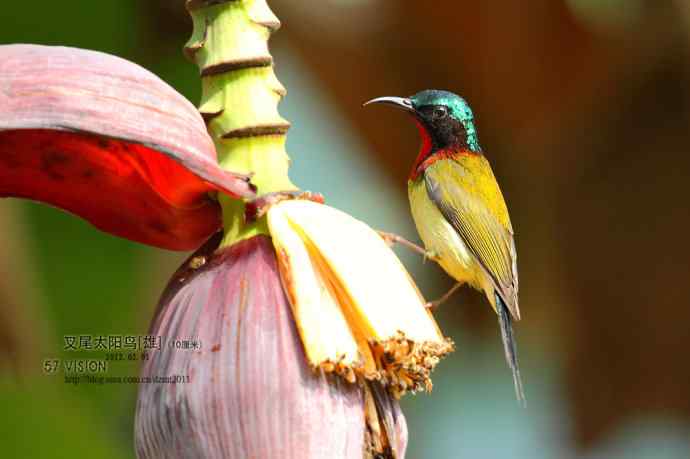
[459, 210]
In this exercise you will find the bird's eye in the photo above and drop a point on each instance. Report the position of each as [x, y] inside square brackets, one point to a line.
[440, 112]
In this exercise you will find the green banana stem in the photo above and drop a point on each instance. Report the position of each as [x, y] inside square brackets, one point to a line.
[239, 101]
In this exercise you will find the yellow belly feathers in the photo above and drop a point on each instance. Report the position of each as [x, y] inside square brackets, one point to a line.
[444, 242]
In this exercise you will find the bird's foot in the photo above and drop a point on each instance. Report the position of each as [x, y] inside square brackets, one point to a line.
[257, 208]
[432, 305]
[430, 255]
[391, 239]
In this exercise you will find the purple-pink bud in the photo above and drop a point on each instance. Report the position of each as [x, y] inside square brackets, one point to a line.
[247, 391]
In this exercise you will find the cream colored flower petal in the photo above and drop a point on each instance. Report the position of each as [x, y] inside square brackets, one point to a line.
[368, 269]
[328, 340]
[376, 296]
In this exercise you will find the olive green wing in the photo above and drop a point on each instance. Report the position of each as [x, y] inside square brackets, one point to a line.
[467, 194]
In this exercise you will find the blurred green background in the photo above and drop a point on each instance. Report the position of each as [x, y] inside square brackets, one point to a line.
[583, 109]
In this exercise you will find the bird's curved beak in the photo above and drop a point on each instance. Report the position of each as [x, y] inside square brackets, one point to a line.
[400, 102]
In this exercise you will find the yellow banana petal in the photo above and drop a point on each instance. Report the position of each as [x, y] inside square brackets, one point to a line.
[326, 336]
[325, 250]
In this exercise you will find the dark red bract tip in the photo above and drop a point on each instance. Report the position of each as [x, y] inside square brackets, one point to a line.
[125, 189]
[109, 141]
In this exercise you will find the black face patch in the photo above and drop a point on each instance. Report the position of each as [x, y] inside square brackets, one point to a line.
[444, 130]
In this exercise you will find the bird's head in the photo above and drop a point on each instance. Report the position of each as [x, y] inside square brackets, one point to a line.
[444, 119]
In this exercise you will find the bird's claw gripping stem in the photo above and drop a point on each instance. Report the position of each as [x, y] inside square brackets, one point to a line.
[257, 208]
[391, 239]
[434, 304]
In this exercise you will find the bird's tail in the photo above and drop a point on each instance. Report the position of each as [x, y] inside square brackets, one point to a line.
[509, 346]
